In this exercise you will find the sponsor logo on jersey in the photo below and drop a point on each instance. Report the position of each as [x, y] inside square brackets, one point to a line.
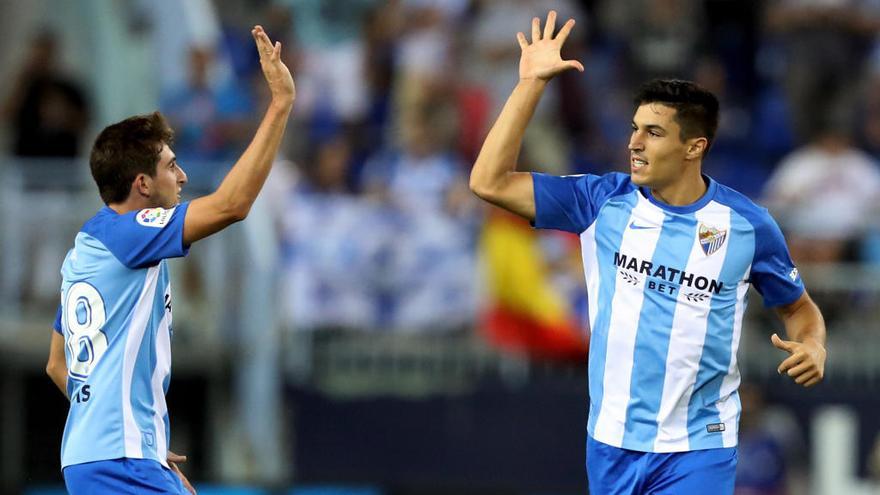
[154, 217]
[793, 274]
[669, 274]
[711, 239]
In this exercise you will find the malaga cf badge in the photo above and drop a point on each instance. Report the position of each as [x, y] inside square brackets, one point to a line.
[711, 239]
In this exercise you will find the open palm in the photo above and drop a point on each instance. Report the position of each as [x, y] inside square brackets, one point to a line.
[541, 59]
[276, 73]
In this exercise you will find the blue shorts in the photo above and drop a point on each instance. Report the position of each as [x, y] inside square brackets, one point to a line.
[615, 471]
[122, 476]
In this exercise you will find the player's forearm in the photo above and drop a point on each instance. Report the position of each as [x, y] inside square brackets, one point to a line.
[56, 365]
[500, 151]
[804, 322]
[58, 377]
[242, 184]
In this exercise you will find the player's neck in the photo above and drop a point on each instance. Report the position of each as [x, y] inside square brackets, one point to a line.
[685, 191]
[130, 204]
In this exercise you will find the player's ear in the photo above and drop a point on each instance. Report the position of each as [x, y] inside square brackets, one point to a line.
[696, 148]
[143, 185]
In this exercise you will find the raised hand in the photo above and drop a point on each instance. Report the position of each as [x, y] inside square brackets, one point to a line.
[276, 73]
[541, 59]
[806, 362]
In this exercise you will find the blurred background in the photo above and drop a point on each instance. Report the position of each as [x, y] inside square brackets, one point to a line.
[372, 329]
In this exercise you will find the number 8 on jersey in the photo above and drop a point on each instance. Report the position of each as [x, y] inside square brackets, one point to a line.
[84, 317]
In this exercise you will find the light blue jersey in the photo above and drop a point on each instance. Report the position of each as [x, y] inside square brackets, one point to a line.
[115, 317]
[667, 289]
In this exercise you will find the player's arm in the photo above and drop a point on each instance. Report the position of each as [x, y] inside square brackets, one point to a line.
[232, 201]
[806, 348]
[494, 177]
[56, 368]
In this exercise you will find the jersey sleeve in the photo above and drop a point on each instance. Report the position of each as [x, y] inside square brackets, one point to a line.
[774, 274]
[571, 202]
[57, 325]
[146, 237]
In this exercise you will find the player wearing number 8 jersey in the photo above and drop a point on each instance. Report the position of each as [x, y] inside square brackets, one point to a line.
[669, 255]
[111, 350]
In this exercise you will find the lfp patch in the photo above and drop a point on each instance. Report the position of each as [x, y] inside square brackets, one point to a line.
[711, 239]
[154, 217]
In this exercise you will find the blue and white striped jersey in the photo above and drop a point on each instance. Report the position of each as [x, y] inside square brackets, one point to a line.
[668, 288]
[115, 317]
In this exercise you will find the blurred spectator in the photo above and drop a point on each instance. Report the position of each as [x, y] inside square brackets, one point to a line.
[431, 272]
[331, 72]
[826, 44]
[662, 36]
[425, 54]
[732, 33]
[824, 195]
[873, 466]
[869, 130]
[422, 174]
[333, 242]
[494, 67]
[768, 439]
[212, 120]
[735, 160]
[47, 109]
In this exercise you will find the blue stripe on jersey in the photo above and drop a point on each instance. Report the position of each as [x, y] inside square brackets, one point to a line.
[142, 399]
[652, 337]
[610, 226]
[715, 361]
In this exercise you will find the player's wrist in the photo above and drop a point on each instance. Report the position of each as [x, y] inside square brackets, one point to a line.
[813, 341]
[533, 83]
[282, 102]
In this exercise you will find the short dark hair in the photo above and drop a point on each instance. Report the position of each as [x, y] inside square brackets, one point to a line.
[126, 149]
[696, 108]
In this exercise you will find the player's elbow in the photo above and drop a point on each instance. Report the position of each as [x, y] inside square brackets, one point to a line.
[239, 213]
[53, 370]
[483, 190]
[479, 187]
[236, 211]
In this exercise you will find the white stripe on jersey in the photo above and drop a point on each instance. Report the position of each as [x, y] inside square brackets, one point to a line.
[135, 334]
[686, 339]
[163, 367]
[589, 255]
[728, 410]
[626, 306]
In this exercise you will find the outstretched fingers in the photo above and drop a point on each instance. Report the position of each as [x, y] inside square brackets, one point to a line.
[564, 31]
[264, 45]
[523, 43]
[550, 26]
[536, 30]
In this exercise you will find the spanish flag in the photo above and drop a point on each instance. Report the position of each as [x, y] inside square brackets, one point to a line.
[525, 311]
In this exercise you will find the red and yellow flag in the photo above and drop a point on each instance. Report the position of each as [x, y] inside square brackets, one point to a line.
[526, 310]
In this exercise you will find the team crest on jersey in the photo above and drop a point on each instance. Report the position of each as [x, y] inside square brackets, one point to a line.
[154, 217]
[711, 239]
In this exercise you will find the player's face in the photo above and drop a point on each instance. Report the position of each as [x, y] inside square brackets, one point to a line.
[657, 152]
[168, 181]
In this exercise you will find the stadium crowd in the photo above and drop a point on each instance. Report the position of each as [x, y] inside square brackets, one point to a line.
[396, 97]
[375, 227]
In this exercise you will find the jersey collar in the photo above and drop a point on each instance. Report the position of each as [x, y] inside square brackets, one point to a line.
[711, 188]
